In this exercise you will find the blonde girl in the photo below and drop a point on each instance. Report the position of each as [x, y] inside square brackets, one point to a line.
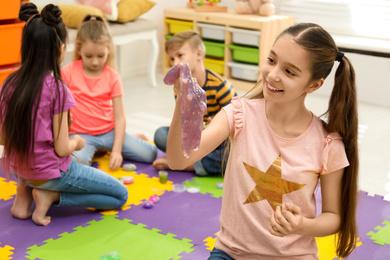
[99, 115]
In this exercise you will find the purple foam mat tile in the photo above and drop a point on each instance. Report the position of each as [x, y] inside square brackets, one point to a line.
[21, 234]
[193, 216]
[371, 212]
[370, 250]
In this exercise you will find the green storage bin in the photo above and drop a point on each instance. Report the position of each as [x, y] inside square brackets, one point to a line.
[214, 65]
[245, 54]
[176, 26]
[215, 49]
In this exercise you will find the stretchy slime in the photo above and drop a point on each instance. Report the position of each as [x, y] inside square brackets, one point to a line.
[193, 106]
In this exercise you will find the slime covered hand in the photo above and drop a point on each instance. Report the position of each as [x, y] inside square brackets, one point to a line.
[193, 106]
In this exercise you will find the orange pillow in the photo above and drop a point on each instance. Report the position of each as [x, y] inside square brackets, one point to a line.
[129, 10]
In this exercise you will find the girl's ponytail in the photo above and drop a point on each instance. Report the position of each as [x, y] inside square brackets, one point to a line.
[342, 117]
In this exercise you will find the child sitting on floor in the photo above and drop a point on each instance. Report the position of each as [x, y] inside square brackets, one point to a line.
[97, 88]
[189, 47]
[34, 106]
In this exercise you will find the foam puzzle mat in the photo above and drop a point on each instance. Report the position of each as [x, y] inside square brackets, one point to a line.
[181, 225]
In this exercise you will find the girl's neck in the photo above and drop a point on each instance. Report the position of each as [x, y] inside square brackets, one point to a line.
[288, 121]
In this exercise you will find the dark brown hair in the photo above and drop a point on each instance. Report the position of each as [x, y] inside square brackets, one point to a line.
[42, 37]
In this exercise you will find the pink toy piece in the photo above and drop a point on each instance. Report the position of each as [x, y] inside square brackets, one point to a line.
[193, 106]
[128, 179]
[154, 198]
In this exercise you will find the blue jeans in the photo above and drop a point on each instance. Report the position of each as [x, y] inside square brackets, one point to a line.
[85, 186]
[211, 164]
[133, 149]
[217, 254]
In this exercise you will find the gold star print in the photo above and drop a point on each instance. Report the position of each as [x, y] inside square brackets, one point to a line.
[269, 185]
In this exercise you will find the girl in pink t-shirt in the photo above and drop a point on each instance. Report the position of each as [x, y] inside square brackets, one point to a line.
[280, 151]
[34, 107]
[97, 88]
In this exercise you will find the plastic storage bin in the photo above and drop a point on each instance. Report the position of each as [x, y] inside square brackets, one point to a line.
[214, 65]
[246, 37]
[243, 71]
[10, 48]
[9, 9]
[215, 49]
[245, 54]
[177, 26]
[211, 31]
[5, 71]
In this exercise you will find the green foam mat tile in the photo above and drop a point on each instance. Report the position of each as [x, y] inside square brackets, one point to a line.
[108, 235]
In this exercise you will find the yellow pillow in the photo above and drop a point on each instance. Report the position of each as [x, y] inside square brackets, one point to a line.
[129, 10]
[73, 15]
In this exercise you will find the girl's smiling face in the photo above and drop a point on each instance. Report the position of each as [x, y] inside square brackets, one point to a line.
[94, 57]
[286, 74]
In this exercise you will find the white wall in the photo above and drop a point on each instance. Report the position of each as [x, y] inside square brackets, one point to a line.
[138, 54]
[371, 72]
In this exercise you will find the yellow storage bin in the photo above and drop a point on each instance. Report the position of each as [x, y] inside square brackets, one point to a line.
[177, 26]
[214, 65]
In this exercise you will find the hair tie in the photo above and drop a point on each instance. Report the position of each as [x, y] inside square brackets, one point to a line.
[339, 56]
[29, 19]
[92, 18]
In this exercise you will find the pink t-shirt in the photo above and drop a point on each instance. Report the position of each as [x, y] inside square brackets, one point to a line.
[265, 170]
[94, 114]
[47, 163]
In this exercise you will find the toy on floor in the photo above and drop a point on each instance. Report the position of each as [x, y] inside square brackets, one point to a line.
[147, 204]
[128, 179]
[193, 106]
[179, 187]
[129, 167]
[154, 199]
[261, 7]
[163, 175]
[110, 256]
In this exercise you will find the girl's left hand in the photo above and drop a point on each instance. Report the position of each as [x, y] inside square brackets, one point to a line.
[286, 222]
[115, 160]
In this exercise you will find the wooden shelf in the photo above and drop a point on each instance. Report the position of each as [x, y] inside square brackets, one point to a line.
[270, 27]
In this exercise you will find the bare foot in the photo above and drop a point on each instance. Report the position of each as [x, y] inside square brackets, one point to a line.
[22, 203]
[43, 200]
[161, 164]
[141, 136]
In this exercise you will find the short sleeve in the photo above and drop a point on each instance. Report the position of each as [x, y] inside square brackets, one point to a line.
[235, 116]
[117, 87]
[69, 100]
[334, 156]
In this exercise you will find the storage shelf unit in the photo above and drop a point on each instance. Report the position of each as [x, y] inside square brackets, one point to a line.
[10, 35]
[266, 28]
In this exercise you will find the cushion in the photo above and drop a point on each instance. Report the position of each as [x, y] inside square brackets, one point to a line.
[73, 15]
[108, 7]
[129, 10]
